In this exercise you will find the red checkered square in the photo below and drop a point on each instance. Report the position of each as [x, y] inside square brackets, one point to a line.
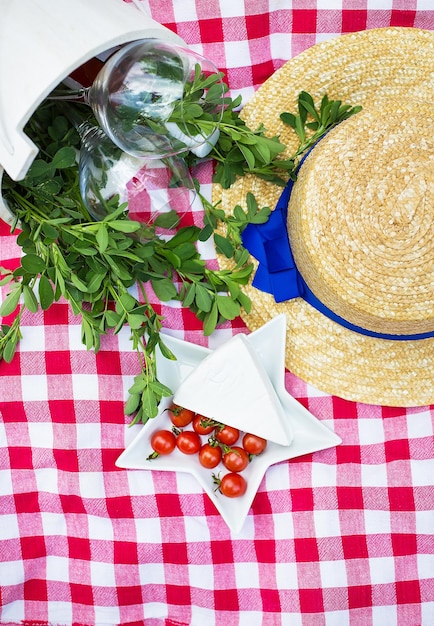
[108, 459]
[261, 503]
[354, 547]
[263, 548]
[270, 601]
[21, 458]
[397, 450]
[401, 498]
[129, 595]
[12, 412]
[402, 18]
[211, 30]
[256, 26]
[348, 454]
[404, 544]
[260, 71]
[79, 548]
[108, 362]
[72, 503]
[178, 595]
[304, 20]
[350, 497]
[359, 596]
[119, 507]
[33, 547]
[222, 552]
[62, 411]
[66, 460]
[306, 550]
[353, 21]
[301, 499]
[225, 598]
[343, 409]
[57, 362]
[168, 505]
[408, 591]
[175, 553]
[35, 589]
[81, 594]
[58, 313]
[311, 601]
[27, 502]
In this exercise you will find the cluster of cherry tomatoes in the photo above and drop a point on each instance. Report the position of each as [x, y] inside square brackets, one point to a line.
[224, 444]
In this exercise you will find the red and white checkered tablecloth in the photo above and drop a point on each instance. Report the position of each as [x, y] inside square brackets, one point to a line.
[335, 538]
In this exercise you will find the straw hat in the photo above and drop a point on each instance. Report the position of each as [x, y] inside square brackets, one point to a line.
[360, 217]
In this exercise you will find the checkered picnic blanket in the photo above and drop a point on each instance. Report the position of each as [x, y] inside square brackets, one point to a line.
[338, 537]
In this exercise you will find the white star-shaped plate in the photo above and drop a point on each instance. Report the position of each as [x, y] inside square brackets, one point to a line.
[306, 433]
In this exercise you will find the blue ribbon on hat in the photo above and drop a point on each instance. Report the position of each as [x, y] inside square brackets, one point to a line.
[278, 274]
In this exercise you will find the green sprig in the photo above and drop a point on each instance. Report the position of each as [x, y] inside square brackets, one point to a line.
[94, 265]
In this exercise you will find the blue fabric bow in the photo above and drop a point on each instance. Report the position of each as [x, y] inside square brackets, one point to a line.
[277, 272]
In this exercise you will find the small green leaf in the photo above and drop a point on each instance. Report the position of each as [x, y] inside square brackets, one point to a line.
[139, 384]
[126, 303]
[203, 298]
[7, 279]
[164, 289]
[102, 237]
[87, 336]
[33, 264]
[299, 128]
[49, 231]
[160, 389]
[124, 226]
[149, 403]
[95, 281]
[10, 349]
[45, 292]
[210, 321]
[135, 321]
[248, 155]
[132, 404]
[65, 157]
[228, 308]
[10, 303]
[189, 295]
[30, 300]
[223, 245]
[81, 286]
[112, 318]
[289, 119]
[168, 354]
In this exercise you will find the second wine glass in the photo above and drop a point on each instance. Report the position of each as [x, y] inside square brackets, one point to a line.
[156, 99]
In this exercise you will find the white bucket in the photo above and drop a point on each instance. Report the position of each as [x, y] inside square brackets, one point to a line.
[41, 43]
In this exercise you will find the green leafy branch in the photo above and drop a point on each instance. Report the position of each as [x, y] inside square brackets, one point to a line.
[311, 123]
[94, 265]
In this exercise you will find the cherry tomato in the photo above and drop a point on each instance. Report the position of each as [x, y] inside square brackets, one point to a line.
[179, 416]
[233, 485]
[254, 444]
[235, 459]
[203, 425]
[163, 442]
[227, 435]
[188, 442]
[210, 456]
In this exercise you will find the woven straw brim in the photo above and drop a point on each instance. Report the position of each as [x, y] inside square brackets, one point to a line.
[370, 68]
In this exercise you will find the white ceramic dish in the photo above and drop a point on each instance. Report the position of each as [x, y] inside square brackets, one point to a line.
[307, 433]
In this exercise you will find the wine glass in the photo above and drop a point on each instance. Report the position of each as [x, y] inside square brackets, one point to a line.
[148, 98]
[149, 188]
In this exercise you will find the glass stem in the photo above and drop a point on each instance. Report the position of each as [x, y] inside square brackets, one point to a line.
[72, 95]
